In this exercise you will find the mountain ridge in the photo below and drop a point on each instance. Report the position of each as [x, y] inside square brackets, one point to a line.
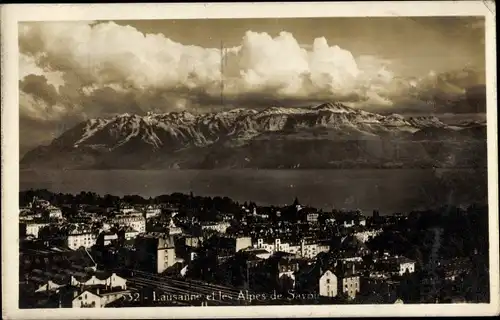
[325, 133]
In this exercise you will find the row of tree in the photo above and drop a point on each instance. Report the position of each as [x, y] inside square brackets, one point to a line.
[92, 199]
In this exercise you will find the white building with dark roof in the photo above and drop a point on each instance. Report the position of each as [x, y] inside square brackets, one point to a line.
[130, 233]
[99, 278]
[304, 249]
[135, 221]
[51, 284]
[219, 227]
[155, 252]
[96, 297]
[33, 227]
[55, 212]
[152, 211]
[81, 237]
[396, 265]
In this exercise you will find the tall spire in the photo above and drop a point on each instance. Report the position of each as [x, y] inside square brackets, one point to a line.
[296, 202]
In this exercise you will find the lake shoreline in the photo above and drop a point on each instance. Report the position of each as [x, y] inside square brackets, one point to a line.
[397, 190]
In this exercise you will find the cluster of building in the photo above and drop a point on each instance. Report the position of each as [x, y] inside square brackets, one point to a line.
[58, 277]
[296, 249]
[282, 257]
[41, 220]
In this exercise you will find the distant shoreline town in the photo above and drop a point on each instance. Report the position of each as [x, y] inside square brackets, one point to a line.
[87, 250]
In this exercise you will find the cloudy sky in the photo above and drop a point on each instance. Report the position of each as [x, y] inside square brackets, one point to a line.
[71, 71]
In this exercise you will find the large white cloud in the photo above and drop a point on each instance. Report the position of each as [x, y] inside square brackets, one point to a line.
[28, 66]
[107, 68]
[94, 56]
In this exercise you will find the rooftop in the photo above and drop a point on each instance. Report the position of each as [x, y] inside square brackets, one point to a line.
[129, 229]
[396, 259]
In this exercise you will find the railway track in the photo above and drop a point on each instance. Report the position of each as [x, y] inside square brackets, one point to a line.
[185, 292]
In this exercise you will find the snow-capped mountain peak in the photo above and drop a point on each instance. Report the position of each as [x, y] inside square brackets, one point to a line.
[333, 107]
[184, 129]
[240, 137]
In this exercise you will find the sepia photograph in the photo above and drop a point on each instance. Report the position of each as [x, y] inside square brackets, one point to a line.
[251, 161]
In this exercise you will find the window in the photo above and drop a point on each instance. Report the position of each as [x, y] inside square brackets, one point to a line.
[328, 281]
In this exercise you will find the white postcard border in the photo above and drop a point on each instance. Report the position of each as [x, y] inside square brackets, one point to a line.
[12, 14]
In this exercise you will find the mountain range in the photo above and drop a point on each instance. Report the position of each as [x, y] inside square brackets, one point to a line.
[329, 135]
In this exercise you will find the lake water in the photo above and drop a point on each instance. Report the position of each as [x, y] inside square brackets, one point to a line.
[388, 190]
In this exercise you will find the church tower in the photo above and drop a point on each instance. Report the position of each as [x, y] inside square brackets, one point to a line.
[297, 204]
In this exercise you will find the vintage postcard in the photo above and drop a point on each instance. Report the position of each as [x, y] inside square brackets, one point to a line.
[249, 160]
